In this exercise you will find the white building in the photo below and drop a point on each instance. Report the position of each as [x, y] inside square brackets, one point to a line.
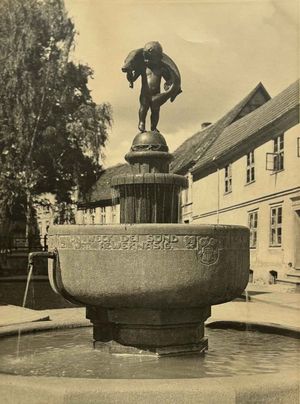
[250, 175]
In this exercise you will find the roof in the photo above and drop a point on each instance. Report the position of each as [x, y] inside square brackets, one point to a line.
[186, 155]
[258, 125]
[101, 190]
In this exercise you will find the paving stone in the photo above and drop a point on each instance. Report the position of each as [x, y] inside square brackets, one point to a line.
[10, 315]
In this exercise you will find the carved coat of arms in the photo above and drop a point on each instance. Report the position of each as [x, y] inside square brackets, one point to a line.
[208, 250]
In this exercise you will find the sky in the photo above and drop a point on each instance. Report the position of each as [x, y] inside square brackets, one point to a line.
[223, 49]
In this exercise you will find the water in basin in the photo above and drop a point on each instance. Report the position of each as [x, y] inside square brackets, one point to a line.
[68, 353]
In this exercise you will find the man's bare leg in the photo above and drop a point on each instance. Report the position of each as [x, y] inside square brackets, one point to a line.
[144, 107]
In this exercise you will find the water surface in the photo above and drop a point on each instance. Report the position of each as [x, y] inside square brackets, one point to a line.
[68, 353]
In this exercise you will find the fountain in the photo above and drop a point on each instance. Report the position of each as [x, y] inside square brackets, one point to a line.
[148, 285]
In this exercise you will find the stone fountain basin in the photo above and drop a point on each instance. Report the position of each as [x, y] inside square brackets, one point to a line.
[149, 265]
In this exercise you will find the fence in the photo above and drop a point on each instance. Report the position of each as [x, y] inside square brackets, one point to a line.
[10, 245]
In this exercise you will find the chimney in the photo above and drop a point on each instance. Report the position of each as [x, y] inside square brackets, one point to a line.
[205, 125]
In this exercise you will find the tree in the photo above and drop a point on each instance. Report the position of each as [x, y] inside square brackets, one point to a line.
[51, 131]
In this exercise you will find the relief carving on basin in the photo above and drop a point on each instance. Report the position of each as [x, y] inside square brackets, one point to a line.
[150, 265]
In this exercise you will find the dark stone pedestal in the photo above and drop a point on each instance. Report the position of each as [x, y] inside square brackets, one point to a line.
[149, 331]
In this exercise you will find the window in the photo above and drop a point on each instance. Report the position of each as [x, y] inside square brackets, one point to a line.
[114, 214]
[40, 226]
[92, 213]
[228, 179]
[252, 224]
[298, 146]
[275, 160]
[250, 171]
[186, 194]
[278, 153]
[276, 226]
[102, 215]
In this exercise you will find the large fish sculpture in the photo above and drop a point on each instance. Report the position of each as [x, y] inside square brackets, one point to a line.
[134, 65]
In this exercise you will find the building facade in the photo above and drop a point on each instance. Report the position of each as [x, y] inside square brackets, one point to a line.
[109, 214]
[250, 176]
[265, 196]
[101, 205]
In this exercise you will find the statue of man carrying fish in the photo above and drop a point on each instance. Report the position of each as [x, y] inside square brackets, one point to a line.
[151, 64]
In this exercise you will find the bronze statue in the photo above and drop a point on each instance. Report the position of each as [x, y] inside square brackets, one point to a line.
[152, 64]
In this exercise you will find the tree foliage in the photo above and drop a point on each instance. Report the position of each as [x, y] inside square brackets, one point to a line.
[51, 131]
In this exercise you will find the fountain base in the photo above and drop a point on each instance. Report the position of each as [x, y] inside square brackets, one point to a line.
[149, 331]
[113, 348]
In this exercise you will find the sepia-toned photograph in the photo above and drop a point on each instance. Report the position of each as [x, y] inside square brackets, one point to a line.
[150, 201]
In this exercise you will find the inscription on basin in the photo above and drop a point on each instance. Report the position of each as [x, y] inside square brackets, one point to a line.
[208, 248]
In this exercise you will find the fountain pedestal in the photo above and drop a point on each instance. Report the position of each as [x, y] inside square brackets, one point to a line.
[161, 332]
